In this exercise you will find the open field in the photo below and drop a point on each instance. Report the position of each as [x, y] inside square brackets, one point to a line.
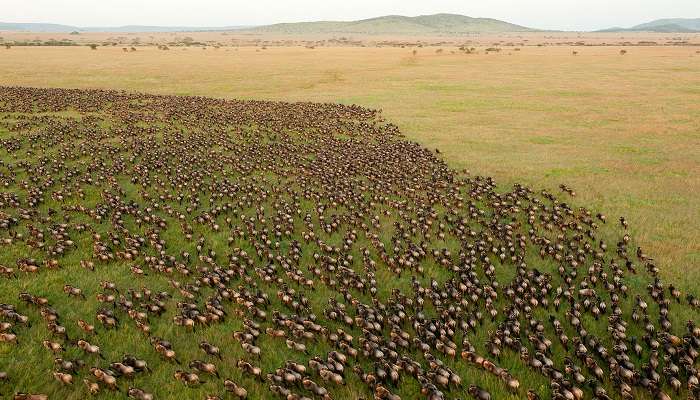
[121, 181]
[305, 249]
[622, 130]
[252, 38]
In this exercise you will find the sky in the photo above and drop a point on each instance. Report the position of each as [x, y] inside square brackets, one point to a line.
[543, 14]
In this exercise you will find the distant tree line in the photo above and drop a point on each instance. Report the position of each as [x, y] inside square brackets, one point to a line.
[50, 42]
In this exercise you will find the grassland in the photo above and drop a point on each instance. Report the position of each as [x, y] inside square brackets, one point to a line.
[621, 130]
[202, 209]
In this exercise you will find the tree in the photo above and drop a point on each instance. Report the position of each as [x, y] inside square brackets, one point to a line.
[8, 46]
[93, 46]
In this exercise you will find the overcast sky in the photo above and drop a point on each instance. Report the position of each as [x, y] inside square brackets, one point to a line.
[544, 14]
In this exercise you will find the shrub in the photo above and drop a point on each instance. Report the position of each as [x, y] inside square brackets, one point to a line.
[93, 46]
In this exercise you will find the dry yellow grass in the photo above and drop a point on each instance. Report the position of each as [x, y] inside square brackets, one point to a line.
[623, 131]
[252, 38]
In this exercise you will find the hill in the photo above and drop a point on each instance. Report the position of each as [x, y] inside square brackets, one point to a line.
[690, 24]
[397, 24]
[663, 25]
[41, 27]
[155, 28]
[436, 24]
[36, 27]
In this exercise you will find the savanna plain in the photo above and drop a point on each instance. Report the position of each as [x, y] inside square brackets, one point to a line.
[619, 129]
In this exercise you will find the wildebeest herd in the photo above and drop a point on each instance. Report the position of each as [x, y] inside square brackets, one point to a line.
[186, 247]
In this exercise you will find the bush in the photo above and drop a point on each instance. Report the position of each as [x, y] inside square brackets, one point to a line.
[93, 46]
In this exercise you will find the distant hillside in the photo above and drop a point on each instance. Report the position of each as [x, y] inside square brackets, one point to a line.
[397, 24]
[669, 25]
[31, 27]
[39, 27]
[148, 28]
[683, 23]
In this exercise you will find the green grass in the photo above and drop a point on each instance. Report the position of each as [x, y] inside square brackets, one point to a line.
[626, 147]
[149, 127]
